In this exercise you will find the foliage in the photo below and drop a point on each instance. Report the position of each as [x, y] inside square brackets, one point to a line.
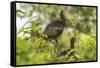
[33, 48]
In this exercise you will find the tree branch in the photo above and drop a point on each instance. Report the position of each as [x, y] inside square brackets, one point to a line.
[26, 23]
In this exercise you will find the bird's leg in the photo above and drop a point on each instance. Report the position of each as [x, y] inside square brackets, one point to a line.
[56, 46]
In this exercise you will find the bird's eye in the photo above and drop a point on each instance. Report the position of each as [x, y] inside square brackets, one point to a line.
[64, 13]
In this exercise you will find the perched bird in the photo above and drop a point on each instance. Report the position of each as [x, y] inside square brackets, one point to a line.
[65, 52]
[55, 28]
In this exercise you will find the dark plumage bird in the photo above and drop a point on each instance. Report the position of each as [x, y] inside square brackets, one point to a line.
[70, 53]
[55, 28]
[72, 41]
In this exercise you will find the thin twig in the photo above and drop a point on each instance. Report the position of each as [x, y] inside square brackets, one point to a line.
[26, 23]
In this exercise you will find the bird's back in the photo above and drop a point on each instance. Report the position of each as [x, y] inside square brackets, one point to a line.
[54, 29]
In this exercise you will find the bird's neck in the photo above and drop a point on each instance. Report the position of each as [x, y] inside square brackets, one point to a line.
[72, 45]
[62, 23]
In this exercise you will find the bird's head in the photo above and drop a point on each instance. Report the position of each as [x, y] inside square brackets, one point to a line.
[64, 17]
[73, 40]
[63, 12]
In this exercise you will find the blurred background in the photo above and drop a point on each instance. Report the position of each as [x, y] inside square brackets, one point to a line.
[31, 22]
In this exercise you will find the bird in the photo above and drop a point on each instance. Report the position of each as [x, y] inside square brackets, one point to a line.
[65, 52]
[55, 28]
[69, 53]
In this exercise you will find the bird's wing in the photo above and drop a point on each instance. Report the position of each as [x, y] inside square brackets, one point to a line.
[53, 29]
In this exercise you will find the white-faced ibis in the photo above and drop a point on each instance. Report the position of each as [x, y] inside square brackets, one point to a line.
[70, 53]
[55, 28]
[65, 52]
